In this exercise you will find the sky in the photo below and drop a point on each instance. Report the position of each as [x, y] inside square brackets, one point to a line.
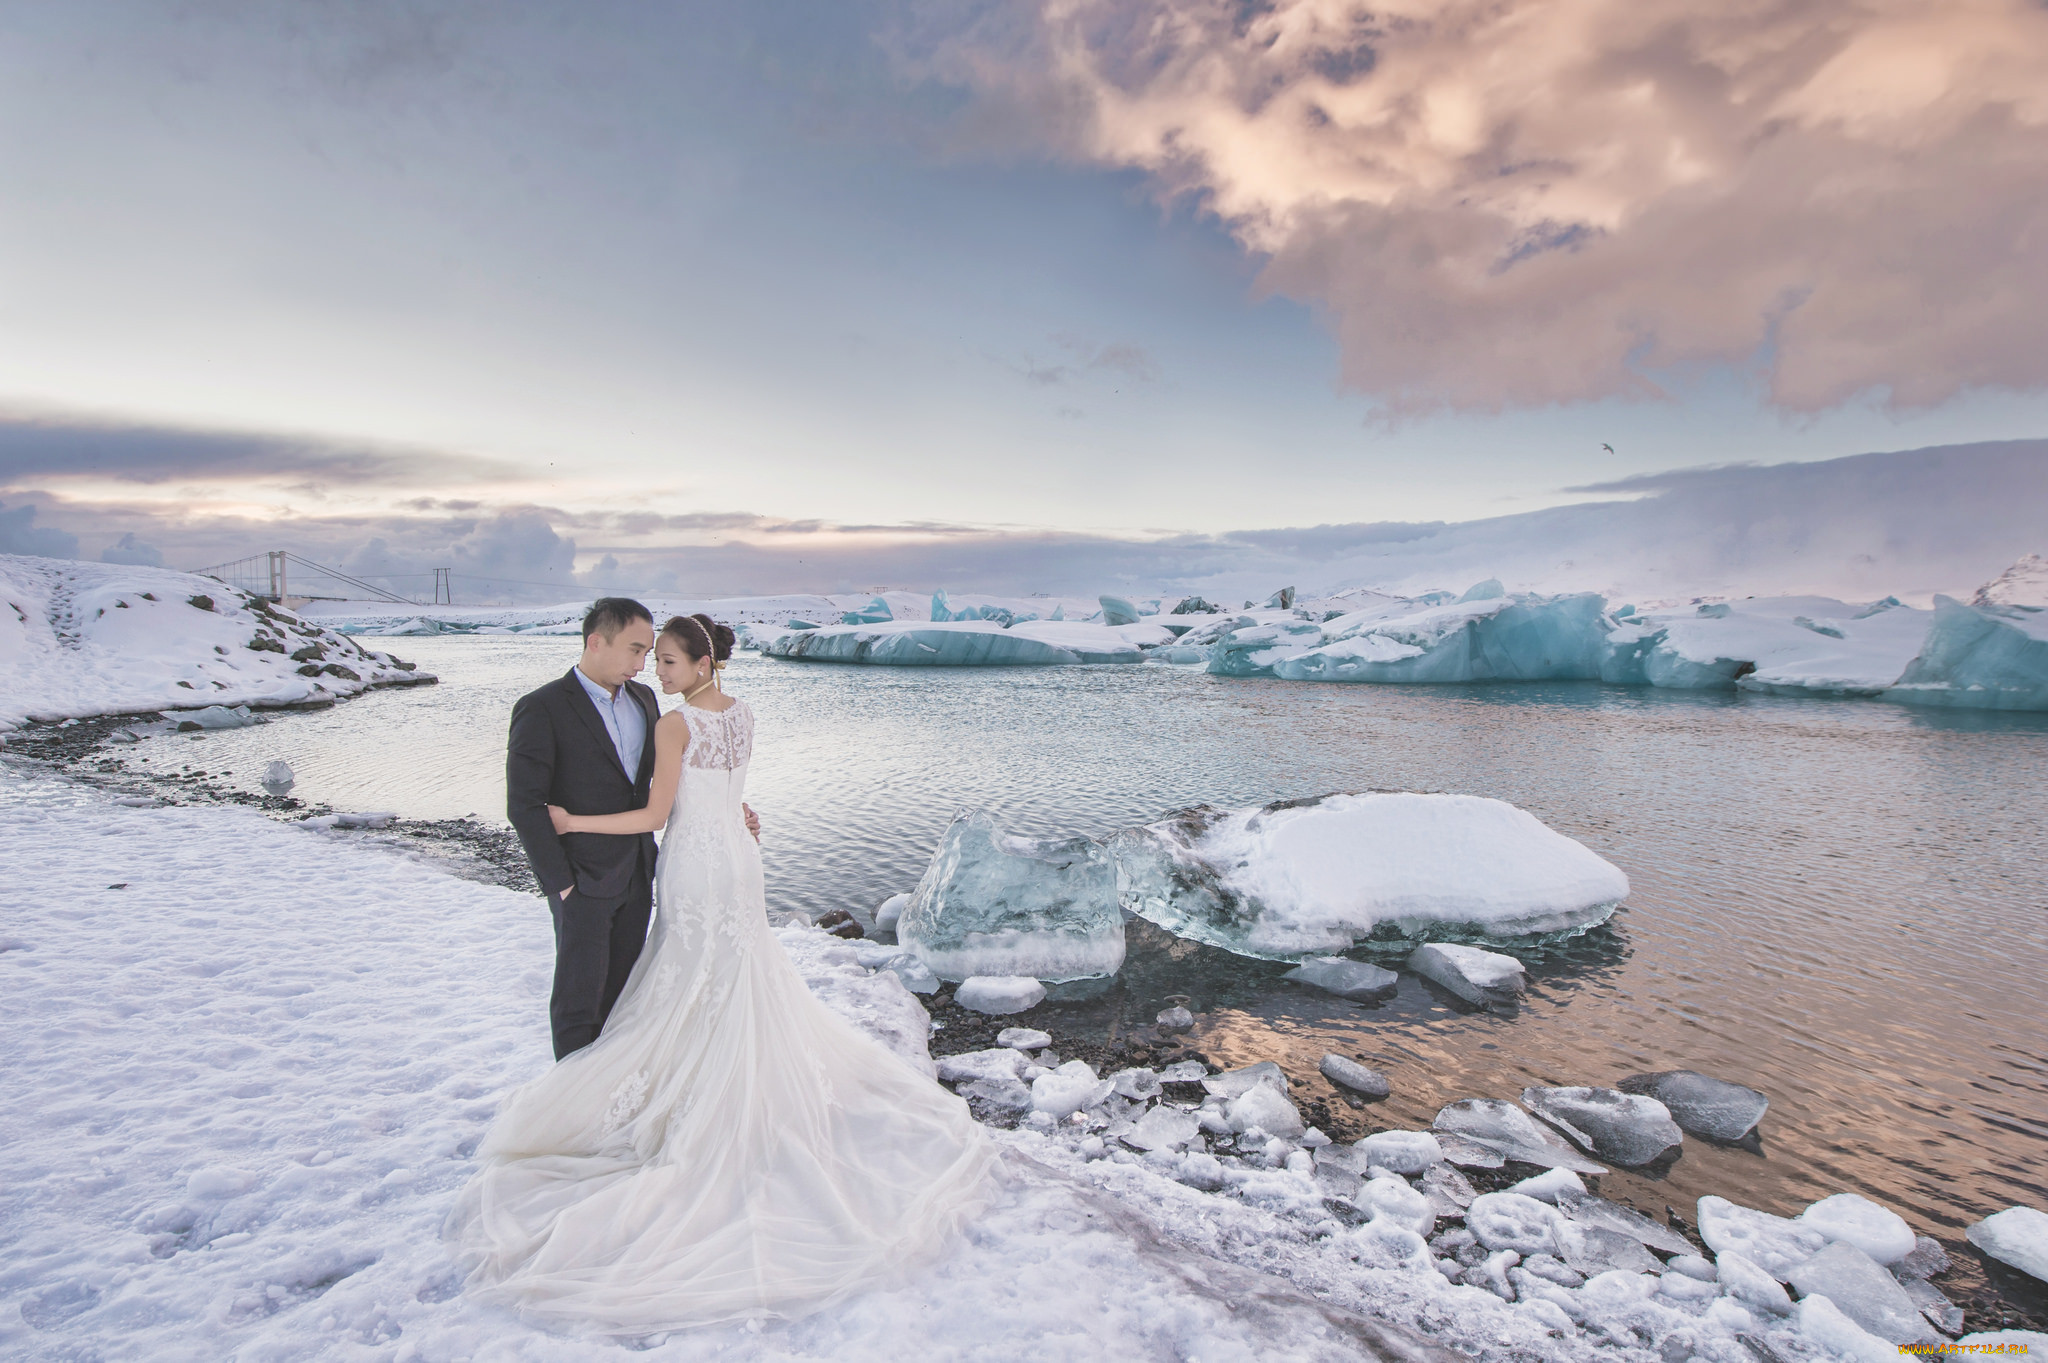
[723, 298]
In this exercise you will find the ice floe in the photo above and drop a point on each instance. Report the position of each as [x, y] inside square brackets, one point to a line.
[1318, 875]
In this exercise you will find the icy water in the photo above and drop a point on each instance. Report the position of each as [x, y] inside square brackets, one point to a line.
[1843, 904]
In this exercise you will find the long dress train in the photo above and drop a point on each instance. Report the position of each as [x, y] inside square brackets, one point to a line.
[729, 1147]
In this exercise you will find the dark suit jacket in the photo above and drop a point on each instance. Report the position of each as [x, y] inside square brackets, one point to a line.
[560, 753]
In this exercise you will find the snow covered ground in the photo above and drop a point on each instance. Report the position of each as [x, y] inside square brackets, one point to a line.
[80, 639]
[257, 1057]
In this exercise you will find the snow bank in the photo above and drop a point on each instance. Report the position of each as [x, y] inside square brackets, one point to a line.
[1319, 875]
[81, 639]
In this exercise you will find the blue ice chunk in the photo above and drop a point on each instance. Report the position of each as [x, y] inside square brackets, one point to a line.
[874, 613]
[802, 624]
[1718, 610]
[941, 607]
[1979, 658]
[1117, 611]
[1058, 613]
[1489, 590]
[1252, 651]
[1495, 639]
[914, 644]
[994, 904]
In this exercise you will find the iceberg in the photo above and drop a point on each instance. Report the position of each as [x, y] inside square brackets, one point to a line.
[1096, 643]
[874, 613]
[1979, 658]
[959, 642]
[1117, 611]
[971, 643]
[993, 904]
[1315, 876]
[1991, 654]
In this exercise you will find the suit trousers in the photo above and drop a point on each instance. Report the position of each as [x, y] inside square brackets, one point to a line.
[596, 943]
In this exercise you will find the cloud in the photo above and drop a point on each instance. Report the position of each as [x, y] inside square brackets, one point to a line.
[129, 549]
[52, 450]
[20, 535]
[1502, 203]
[1908, 522]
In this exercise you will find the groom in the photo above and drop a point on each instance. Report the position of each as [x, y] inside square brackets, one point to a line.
[586, 742]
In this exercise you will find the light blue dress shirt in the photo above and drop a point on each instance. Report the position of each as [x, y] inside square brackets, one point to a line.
[623, 719]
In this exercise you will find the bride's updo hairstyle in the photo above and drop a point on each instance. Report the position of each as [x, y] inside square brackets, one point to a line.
[701, 637]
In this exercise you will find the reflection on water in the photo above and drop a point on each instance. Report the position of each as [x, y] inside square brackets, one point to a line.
[1842, 904]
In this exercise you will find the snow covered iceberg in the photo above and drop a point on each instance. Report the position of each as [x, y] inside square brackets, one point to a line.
[1309, 876]
[81, 639]
[964, 643]
[994, 904]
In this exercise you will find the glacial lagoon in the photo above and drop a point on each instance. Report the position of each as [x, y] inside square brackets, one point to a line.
[1843, 904]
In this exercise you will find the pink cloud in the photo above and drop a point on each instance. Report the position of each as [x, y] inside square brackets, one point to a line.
[1512, 202]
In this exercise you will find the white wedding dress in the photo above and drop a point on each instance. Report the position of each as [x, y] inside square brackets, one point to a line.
[729, 1148]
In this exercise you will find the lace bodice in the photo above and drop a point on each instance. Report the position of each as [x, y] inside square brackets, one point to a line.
[719, 739]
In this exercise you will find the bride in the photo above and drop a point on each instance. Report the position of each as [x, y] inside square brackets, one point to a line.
[728, 1148]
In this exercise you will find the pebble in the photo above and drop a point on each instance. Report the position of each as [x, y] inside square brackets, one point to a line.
[1349, 1074]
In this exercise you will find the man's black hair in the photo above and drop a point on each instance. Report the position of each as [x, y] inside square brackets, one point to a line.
[610, 614]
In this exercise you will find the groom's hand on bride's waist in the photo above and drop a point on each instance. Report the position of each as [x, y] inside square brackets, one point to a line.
[753, 821]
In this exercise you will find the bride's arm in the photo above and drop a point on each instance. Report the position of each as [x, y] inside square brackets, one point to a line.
[671, 737]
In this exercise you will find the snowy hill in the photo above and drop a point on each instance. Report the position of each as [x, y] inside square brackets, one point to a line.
[81, 639]
[2023, 584]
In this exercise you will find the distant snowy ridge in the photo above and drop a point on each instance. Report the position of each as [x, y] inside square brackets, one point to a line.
[81, 639]
[2023, 584]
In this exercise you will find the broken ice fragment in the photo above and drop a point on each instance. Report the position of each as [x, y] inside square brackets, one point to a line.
[1483, 977]
[1855, 1220]
[1626, 1128]
[1347, 1073]
[1701, 1104]
[992, 904]
[1023, 1039]
[1773, 1243]
[278, 778]
[1401, 1152]
[1354, 980]
[999, 994]
[1235, 1083]
[2017, 1236]
[1507, 1131]
[1860, 1288]
[1598, 1211]
[1511, 1221]
[1163, 1128]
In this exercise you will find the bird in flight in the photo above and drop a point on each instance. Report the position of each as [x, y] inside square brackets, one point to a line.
[1607, 447]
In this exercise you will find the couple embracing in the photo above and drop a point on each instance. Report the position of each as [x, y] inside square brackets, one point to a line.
[712, 1143]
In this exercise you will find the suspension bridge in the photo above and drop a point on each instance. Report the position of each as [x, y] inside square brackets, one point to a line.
[284, 577]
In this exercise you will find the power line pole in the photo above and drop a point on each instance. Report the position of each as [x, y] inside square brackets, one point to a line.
[444, 586]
